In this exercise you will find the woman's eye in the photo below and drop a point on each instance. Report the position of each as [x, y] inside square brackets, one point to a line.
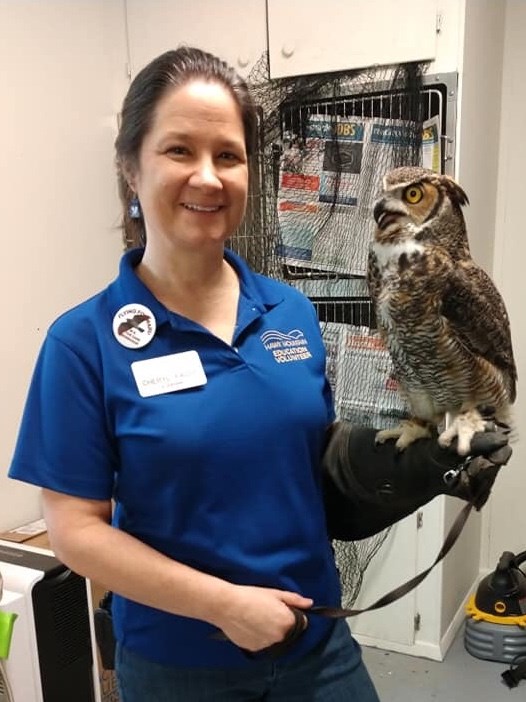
[228, 156]
[177, 150]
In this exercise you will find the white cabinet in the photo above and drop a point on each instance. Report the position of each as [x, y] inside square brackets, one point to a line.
[234, 30]
[308, 36]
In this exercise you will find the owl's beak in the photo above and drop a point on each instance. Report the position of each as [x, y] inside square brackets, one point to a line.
[379, 209]
[383, 215]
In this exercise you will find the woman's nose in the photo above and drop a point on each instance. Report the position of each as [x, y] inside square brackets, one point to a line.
[205, 175]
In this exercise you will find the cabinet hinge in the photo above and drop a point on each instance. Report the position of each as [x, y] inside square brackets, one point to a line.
[419, 519]
[438, 26]
[448, 147]
[417, 621]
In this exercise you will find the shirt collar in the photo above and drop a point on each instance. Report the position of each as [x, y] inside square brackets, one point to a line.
[128, 288]
[262, 292]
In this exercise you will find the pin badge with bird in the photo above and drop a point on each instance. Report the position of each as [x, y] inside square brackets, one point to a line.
[134, 326]
[439, 314]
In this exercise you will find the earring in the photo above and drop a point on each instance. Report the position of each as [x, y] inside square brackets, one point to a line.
[134, 208]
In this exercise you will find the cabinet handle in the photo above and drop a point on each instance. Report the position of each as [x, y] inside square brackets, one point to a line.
[287, 50]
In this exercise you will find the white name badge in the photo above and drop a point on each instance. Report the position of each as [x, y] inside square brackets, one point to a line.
[178, 371]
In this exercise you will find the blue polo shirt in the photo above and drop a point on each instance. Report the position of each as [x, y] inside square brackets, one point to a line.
[223, 476]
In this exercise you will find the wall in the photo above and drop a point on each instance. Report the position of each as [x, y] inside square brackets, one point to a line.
[480, 84]
[62, 76]
[505, 518]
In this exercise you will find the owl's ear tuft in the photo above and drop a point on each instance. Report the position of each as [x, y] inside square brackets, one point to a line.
[456, 193]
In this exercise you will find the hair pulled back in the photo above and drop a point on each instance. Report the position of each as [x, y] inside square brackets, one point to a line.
[171, 69]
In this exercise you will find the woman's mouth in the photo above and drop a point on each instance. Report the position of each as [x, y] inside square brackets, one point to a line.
[201, 208]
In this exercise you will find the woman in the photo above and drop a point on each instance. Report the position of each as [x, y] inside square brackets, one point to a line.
[192, 392]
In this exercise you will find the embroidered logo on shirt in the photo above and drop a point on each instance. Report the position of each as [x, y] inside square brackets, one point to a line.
[286, 347]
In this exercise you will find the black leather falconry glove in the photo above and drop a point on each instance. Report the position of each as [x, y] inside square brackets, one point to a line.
[369, 486]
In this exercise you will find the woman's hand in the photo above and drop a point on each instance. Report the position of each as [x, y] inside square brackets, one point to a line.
[255, 618]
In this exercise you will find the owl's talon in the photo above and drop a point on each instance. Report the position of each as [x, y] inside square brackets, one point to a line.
[463, 427]
[405, 434]
[385, 434]
[444, 441]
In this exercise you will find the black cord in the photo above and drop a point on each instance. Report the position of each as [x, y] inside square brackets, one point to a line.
[519, 558]
[514, 675]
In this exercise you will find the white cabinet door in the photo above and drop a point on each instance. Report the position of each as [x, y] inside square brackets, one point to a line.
[309, 36]
[234, 30]
[391, 627]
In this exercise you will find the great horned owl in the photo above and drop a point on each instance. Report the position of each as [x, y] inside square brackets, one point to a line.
[440, 315]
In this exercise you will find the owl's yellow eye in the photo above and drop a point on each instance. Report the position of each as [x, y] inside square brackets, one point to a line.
[413, 194]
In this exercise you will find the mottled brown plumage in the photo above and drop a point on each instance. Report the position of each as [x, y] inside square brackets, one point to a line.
[440, 315]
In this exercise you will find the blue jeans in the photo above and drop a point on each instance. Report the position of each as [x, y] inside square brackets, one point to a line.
[333, 672]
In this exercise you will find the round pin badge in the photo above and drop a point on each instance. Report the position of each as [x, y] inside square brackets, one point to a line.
[134, 326]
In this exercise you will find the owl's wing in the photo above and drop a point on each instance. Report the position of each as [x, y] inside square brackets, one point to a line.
[477, 315]
[374, 284]
[373, 277]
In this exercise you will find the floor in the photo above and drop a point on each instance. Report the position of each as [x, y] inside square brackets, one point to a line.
[460, 677]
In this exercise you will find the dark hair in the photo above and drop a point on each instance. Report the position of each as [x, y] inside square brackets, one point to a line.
[169, 70]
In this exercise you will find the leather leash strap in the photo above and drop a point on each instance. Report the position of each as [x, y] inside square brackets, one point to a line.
[298, 627]
[401, 590]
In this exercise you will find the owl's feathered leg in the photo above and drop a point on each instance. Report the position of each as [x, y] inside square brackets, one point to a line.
[463, 426]
[407, 432]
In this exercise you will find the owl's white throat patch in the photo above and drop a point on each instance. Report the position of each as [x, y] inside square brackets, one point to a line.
[388, 254]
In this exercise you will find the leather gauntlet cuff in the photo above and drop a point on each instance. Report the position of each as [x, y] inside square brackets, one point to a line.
[369, 486]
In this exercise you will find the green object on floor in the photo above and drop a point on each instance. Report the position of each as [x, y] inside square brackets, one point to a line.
[7, 621]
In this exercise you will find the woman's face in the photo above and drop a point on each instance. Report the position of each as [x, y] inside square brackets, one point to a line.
[192, 174]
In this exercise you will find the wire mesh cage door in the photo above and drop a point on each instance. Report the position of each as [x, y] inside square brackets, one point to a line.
[359, 367]
[309, 220]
